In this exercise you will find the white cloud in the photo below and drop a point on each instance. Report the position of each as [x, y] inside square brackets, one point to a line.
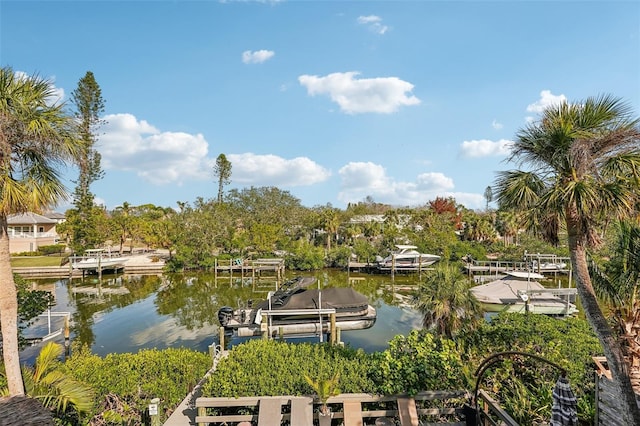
[130, 144]
[496, 125]
[485, 148]
[368, 19]
[257, 57]
[434, 181]
[362, 179]
[546, 99]
[374, 23]
[381, 95]
[271, 170]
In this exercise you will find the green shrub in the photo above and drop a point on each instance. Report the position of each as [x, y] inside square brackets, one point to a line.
[417, 362]
[134, 379]
[365, 251]
[522, 384]
[304, 257]
[338, 257]
[52, 249]
[26, 254]
[268, 367]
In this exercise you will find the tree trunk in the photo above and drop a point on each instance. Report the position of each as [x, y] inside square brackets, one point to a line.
[610, 344]
[9, 315]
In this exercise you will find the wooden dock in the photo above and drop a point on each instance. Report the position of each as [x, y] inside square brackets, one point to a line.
[424, 408]
[490, 267]
[374, 268]
[250, 268]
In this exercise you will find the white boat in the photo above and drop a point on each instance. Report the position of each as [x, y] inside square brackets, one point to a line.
[98, 260]
[519, 292]
[295, 310]
[406, 257]
[548, 266]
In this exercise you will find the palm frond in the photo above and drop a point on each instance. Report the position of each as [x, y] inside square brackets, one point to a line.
[519, 190]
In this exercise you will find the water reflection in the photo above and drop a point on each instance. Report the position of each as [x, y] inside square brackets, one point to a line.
[126, 313]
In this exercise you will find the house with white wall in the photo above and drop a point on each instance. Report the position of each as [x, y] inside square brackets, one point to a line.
[28, 231]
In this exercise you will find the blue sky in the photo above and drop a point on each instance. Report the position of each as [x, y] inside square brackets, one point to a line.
[333, 101]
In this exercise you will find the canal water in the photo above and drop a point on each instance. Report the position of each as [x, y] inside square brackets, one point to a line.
[126, 313]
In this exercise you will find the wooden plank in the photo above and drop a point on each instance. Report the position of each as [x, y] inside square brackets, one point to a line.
[302, 411]
[352, 413]
[407, 412]
[227, 402]
[269, 412]
[202, 420]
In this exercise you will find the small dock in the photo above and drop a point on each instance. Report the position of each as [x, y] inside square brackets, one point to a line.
[497, 267]
[250, 268]
[375, 268]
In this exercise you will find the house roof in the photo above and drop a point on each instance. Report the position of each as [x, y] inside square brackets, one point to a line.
[29, 219]
[55, 215]
[367, 218]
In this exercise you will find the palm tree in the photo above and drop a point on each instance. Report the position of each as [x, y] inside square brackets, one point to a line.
[51, 386]
[507, 226]
[325, 389]
[331, 221]
[619, 285]
[446, 302]
[585, 162]
[36, 135]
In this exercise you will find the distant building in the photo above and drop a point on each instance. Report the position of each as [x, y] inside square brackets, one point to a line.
[28, 231]
[367, 218]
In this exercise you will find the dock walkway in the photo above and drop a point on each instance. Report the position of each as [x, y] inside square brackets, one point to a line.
[250, 268]
[136, 264]
[500, 267]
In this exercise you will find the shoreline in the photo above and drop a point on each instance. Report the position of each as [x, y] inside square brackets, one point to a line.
[137, 264]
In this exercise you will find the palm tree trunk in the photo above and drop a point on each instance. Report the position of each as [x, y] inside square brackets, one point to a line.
[610, 344]
[9, 315]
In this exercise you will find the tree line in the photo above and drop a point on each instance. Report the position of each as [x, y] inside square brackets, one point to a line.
[578, 171]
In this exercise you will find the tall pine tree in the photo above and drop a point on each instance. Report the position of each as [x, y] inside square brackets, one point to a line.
[84, 231]
[222, 171]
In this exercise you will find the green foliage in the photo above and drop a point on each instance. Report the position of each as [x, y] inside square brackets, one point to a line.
[86, 228]
[31, 303]
[268, 367]
[197, 233]
[222, 171]
[325, 388]
[416, 362]
[338, 257]
[52, 249]
[42, 251]
[56, 390]
[365, 251]
[137, 378]
[267, 214]
[463, 248]
[303, 256]
[445, 300]
[568, 342]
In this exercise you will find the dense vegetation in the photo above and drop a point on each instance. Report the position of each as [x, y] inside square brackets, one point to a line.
[124, 384]
[267, 222]
[422, 361]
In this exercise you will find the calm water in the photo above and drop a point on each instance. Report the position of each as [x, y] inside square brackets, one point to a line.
[127, 313]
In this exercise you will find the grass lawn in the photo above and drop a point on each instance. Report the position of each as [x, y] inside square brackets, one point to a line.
[35, 261]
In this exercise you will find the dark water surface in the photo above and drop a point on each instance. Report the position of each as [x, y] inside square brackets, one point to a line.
[127, 313]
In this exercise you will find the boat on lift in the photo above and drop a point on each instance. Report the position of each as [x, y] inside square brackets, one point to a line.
[95, 260]
[406, 257]
[295, 309]
[518, 291]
